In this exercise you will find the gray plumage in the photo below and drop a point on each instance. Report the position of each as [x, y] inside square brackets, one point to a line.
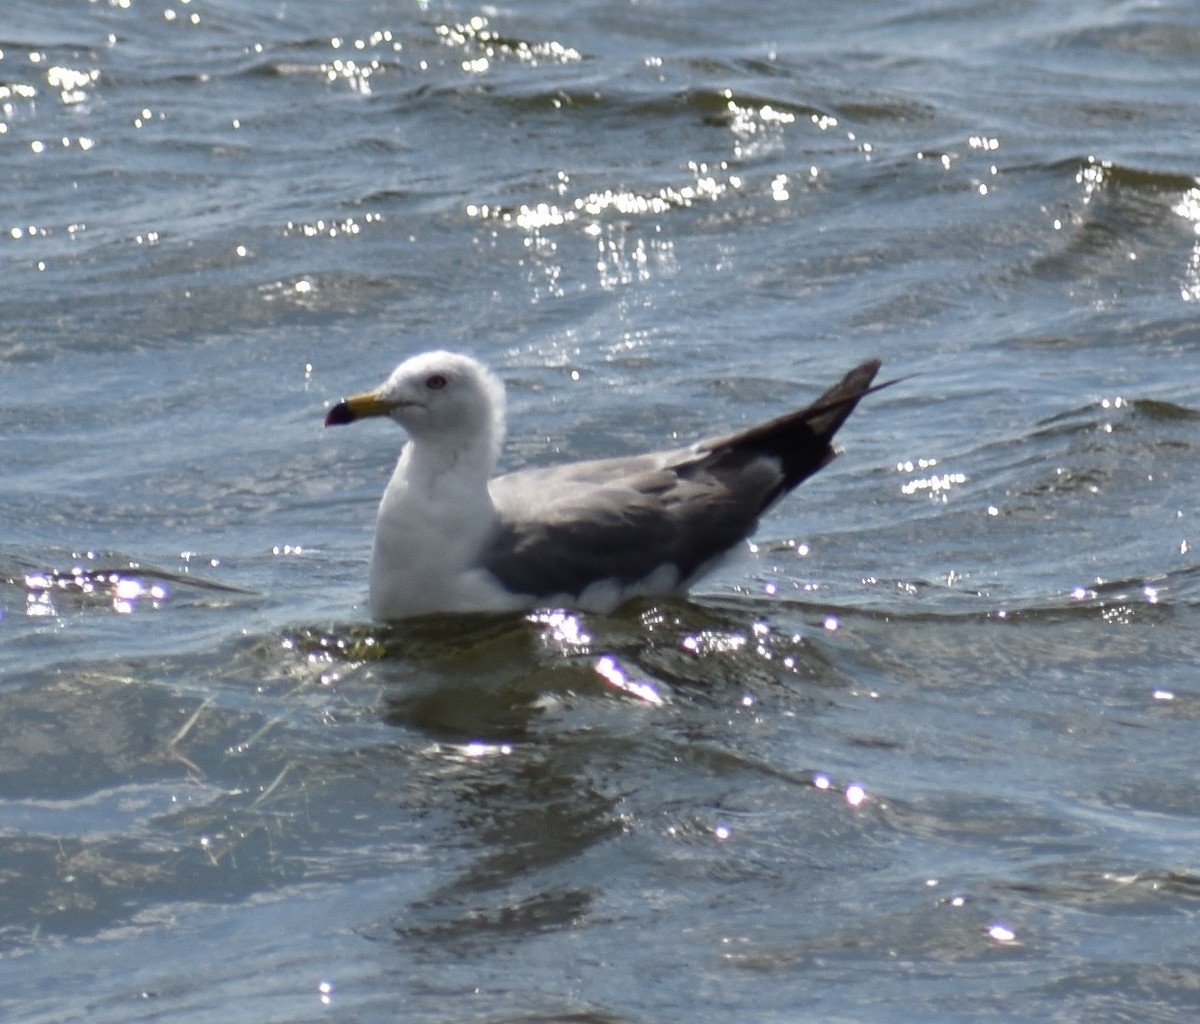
[595, 532]
[563, 527]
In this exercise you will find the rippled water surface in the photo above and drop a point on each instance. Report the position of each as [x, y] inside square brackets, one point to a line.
[925, 751]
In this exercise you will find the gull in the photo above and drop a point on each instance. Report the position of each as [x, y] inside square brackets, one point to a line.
[450, 536]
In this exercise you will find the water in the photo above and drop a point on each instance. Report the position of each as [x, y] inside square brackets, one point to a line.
[926, 752]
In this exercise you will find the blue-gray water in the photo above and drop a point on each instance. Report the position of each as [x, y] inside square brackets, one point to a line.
[928, 753]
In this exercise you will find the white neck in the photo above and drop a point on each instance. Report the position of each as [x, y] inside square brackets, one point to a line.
[434, 519]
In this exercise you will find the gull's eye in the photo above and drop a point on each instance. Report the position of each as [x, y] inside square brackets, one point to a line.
[436, 382]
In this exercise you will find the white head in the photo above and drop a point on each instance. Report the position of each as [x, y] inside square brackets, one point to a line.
[441, 398]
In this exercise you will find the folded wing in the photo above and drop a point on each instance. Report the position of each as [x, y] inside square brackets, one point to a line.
[562, 528]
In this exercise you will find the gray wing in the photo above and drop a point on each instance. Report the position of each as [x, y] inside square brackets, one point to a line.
[563, 527]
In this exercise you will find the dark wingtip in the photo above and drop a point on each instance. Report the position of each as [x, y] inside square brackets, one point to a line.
[803, 440]
[833, 408]
[339, 415]
[857, 380]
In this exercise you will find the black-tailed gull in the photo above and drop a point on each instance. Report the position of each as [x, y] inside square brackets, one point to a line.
[450, 536]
